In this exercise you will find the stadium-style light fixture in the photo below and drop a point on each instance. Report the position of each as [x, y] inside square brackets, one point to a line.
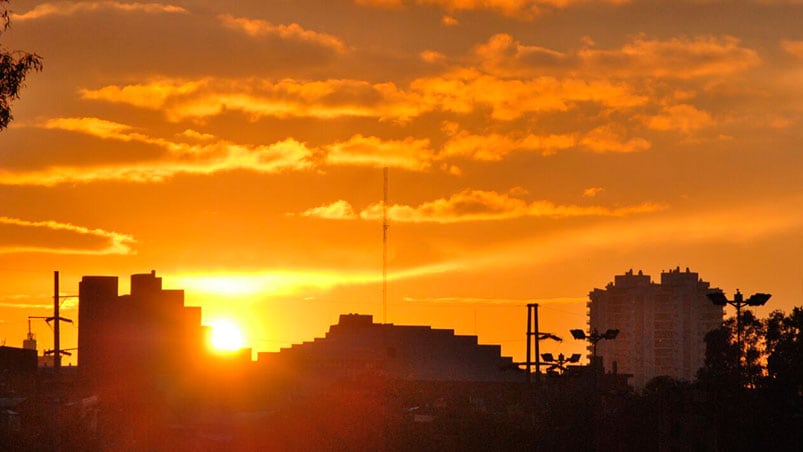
[758, 299]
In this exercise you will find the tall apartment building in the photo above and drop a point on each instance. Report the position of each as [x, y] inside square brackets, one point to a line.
[661, 326]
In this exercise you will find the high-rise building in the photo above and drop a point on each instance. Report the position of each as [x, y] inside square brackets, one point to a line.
[661, 326]
[149, 333]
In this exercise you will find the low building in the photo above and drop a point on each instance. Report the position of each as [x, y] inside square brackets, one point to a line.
[357, 346]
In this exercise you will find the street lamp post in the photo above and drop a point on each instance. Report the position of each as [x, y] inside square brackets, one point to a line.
[758, 299]
[594, 337]
[559, 363]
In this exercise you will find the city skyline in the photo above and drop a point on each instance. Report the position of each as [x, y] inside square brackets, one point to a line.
[535, 150]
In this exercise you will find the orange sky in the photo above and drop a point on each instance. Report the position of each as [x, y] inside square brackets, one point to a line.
[536, 149]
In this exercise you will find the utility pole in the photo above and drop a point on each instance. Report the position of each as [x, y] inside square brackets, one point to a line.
[533, 335]
[57, 319]
[56, 323]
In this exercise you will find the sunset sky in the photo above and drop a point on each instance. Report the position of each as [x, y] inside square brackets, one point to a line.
[535, 149]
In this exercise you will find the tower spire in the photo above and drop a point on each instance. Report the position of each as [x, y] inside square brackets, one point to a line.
[385, 245]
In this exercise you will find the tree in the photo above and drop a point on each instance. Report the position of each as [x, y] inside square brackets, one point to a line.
[14, 67]
[725, 363]
[785, 350]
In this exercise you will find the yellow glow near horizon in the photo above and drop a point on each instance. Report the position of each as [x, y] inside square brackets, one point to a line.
[269, 283]
[225, 336]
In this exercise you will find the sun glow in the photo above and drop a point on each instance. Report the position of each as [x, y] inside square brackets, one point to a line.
[225, 336]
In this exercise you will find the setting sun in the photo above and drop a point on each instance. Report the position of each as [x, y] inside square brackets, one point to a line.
[225, 336]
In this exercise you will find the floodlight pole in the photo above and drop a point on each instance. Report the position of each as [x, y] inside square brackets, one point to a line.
[758, 299]
[533, 335]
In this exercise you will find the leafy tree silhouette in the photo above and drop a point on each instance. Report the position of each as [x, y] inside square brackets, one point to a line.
[14, 67]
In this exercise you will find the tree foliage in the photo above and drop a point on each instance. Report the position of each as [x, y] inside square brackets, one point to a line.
[14, 67]
[785, 341]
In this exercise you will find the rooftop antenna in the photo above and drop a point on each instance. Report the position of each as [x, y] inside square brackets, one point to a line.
[385, 245]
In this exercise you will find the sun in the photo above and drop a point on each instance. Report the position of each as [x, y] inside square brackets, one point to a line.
[225, 336]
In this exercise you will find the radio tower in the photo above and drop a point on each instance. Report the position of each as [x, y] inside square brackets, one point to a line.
[385, 246]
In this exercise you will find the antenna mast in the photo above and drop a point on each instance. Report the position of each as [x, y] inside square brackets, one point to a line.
[385, 246]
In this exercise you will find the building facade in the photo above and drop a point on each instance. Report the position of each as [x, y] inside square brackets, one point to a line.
[148, 333]
[358, 346]
[661, 326]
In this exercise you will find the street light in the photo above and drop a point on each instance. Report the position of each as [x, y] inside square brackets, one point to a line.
[594, 337]
[758, 299]
[559, 363]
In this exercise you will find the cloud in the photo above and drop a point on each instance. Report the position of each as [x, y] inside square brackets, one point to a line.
[459, 91]
[495, 147]
[70, 8]
[431, 56]
[464, 90]
[704, 228]
[794, 48]
[196, 154]
[449, 21]
[684, 118]
[592, 192]
[288, 98]
[675, 58]
[501, 54]
[609, 138]
[410, 154]
[521, 9]
[338, 210]
[152, 95]
[193, 152]
[476, 205]
[260, 28]
[60, 238]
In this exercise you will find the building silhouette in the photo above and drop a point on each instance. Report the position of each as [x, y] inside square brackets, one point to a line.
[661, 326]
[148, 334]
[357, 346]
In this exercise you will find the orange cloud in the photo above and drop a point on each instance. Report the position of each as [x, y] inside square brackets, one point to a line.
[338, 210]
[112, 242]
[68, 9]
[410, 154]
[684, 118]
[609, 139]
[522, 9]
[794, 48]
[680, 57]
[431, 56]
[326, 99]
[198, 154]
[592, 192]
[260, 28]
[459, 91]
[153, 95]
[495, 147]
[503, 55]
[476, 205]
[464, 90]
[449, 21]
